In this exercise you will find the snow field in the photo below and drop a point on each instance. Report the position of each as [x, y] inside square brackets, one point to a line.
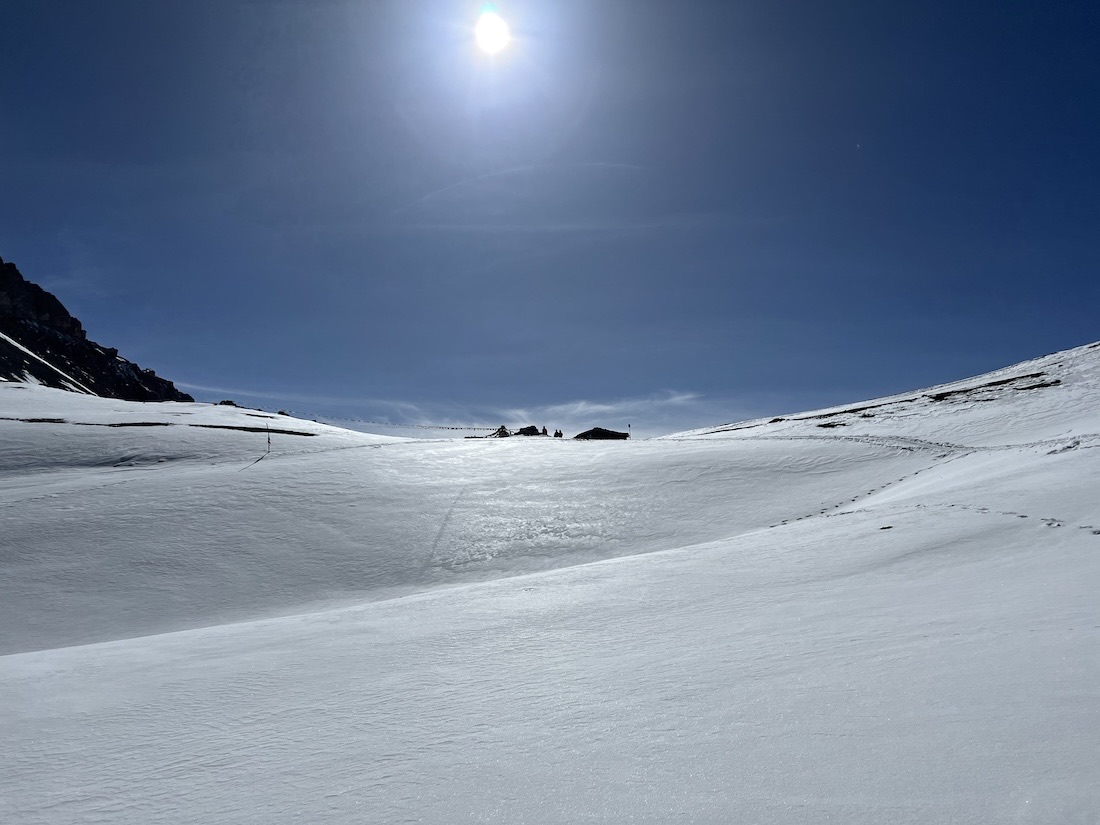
[892, 620]
[773, 678]
[102, 552]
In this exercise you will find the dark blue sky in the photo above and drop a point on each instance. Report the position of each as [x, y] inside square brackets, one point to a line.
[672, 214]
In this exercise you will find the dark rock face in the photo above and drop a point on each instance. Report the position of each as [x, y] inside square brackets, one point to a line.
[600, 434]
[49, 346]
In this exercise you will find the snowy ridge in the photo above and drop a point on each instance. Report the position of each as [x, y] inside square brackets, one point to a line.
[891, 618]
[1053, 396]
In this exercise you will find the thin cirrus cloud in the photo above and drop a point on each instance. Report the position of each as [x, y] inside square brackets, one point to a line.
[543, 198]
[553, 199]
[576, 409]
[471, 184]
[659, 413]
[293, 397]
[681, 221]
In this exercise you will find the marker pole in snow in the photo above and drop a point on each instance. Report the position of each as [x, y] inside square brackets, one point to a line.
[265, 455]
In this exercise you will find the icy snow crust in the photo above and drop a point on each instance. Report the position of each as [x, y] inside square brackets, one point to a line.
[889, 619]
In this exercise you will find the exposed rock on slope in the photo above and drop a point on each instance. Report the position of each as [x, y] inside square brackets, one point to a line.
[600, 434]
[42, 343]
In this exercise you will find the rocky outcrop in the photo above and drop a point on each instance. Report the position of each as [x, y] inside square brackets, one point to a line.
[40, 341]
[600, 434]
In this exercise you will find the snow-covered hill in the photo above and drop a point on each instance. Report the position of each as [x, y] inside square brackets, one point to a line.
[1048, 398]
[884, 612]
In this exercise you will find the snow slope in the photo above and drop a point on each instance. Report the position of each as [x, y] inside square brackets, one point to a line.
[121, 531]
[889, 620]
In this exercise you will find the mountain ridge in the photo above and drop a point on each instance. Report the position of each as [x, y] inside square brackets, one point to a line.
[41, 342]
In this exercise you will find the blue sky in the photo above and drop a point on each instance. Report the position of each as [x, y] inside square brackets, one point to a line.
[669, 215]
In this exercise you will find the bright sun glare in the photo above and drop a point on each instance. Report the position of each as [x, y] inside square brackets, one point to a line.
[491, 32]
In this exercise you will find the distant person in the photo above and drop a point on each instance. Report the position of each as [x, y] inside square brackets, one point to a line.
[544, 431]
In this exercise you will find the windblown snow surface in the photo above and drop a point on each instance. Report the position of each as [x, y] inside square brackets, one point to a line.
[882, 613]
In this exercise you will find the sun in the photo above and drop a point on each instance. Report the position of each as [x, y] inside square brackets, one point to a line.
[491, 32]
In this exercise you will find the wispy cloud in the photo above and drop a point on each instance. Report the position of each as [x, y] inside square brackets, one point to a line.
[597, 197]
[512, 172]
[286, 398]
[645, 416]
[623, 407]
[596, 225]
